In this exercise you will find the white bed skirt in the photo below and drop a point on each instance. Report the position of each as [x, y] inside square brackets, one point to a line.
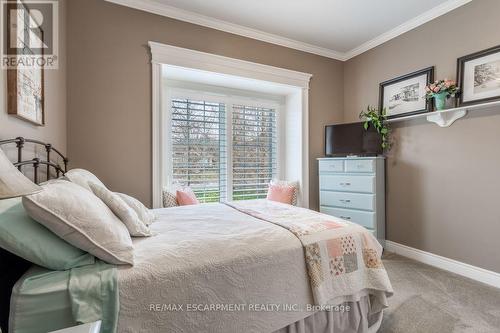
[356, 320]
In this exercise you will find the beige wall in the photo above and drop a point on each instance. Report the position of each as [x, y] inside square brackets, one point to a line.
[55, 101]
[109, 88]
[443, 184]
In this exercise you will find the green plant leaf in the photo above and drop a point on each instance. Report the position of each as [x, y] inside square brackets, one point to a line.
[372, 116]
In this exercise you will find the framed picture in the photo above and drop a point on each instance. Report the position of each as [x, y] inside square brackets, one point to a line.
[479, 76]
[25, 85]
[405, 95]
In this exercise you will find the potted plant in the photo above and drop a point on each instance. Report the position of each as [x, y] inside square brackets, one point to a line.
[440, 90]
[378, 119]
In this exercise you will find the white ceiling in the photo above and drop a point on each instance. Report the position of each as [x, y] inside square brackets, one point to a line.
[338, 29]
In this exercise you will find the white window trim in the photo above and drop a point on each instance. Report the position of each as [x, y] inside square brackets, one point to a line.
[229, 100]
[176, 56]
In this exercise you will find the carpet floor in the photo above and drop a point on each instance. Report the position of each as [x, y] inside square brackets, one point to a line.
[428, 299]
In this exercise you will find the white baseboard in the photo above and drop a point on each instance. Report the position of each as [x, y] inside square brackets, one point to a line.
[454, 266]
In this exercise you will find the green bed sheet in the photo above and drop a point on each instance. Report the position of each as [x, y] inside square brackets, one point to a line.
[44, 300]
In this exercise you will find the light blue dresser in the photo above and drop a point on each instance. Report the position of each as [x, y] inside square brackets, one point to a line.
[353, 188]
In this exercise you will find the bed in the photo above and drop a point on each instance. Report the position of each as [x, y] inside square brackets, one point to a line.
[214, 268]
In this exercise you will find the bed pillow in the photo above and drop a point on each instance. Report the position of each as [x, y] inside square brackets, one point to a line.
[82, 219]
[294, 184]
[169, 199]
[123, 211]
[186, 196]
[145, 214]
[82, 177]
[24, 237]
[280, 193]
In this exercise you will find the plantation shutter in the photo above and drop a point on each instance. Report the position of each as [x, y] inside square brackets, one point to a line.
[254, 151]
[198, 136]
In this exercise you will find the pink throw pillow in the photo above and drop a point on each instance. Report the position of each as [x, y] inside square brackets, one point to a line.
[281, 193]
[186, 197]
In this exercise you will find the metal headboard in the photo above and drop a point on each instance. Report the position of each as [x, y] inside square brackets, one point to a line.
[36, 162]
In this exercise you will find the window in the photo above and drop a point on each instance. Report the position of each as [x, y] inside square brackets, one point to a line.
[223, 150]
[254, 151]
[199, 148]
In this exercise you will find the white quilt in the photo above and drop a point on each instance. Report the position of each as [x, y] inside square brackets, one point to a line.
[211, 268]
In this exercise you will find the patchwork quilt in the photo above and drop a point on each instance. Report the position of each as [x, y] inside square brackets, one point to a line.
[342, 258]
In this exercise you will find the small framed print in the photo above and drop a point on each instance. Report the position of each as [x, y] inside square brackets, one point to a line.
[479, 77]
[405, 95]
[25, 94]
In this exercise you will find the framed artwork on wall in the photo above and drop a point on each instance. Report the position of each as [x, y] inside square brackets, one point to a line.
[25, 84]
[405, 95]
[479, 76]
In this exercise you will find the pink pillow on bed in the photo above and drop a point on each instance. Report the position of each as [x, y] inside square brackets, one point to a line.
[281, 193]
[186, 197]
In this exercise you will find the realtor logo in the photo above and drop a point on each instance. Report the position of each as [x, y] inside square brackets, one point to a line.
[29, 34]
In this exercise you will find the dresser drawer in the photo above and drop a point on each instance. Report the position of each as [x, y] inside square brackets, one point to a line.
[366, 219]
[347, 183]
[360, 165]
[331, 166]
[347, 200]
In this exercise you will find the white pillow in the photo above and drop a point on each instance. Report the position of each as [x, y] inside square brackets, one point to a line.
[83, 178]
[82, 219]
[124, 212]
[294, 184]
[145, 214]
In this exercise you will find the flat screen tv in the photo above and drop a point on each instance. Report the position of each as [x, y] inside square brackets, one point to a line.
[352, 139]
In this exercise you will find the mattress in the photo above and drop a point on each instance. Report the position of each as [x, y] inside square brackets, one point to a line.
[41, 304]
[208, 268]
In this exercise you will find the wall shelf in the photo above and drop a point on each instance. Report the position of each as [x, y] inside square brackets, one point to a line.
[445, 118]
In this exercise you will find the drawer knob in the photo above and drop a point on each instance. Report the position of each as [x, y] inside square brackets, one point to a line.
[345, 217]
[345, 184]
[345, 200]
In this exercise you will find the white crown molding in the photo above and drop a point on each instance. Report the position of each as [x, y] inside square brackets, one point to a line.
[198, 19]
[186, 16]
[472, 272]
[407, 26]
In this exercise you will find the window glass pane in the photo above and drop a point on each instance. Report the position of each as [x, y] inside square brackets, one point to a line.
[199, 148]
[254, 151]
